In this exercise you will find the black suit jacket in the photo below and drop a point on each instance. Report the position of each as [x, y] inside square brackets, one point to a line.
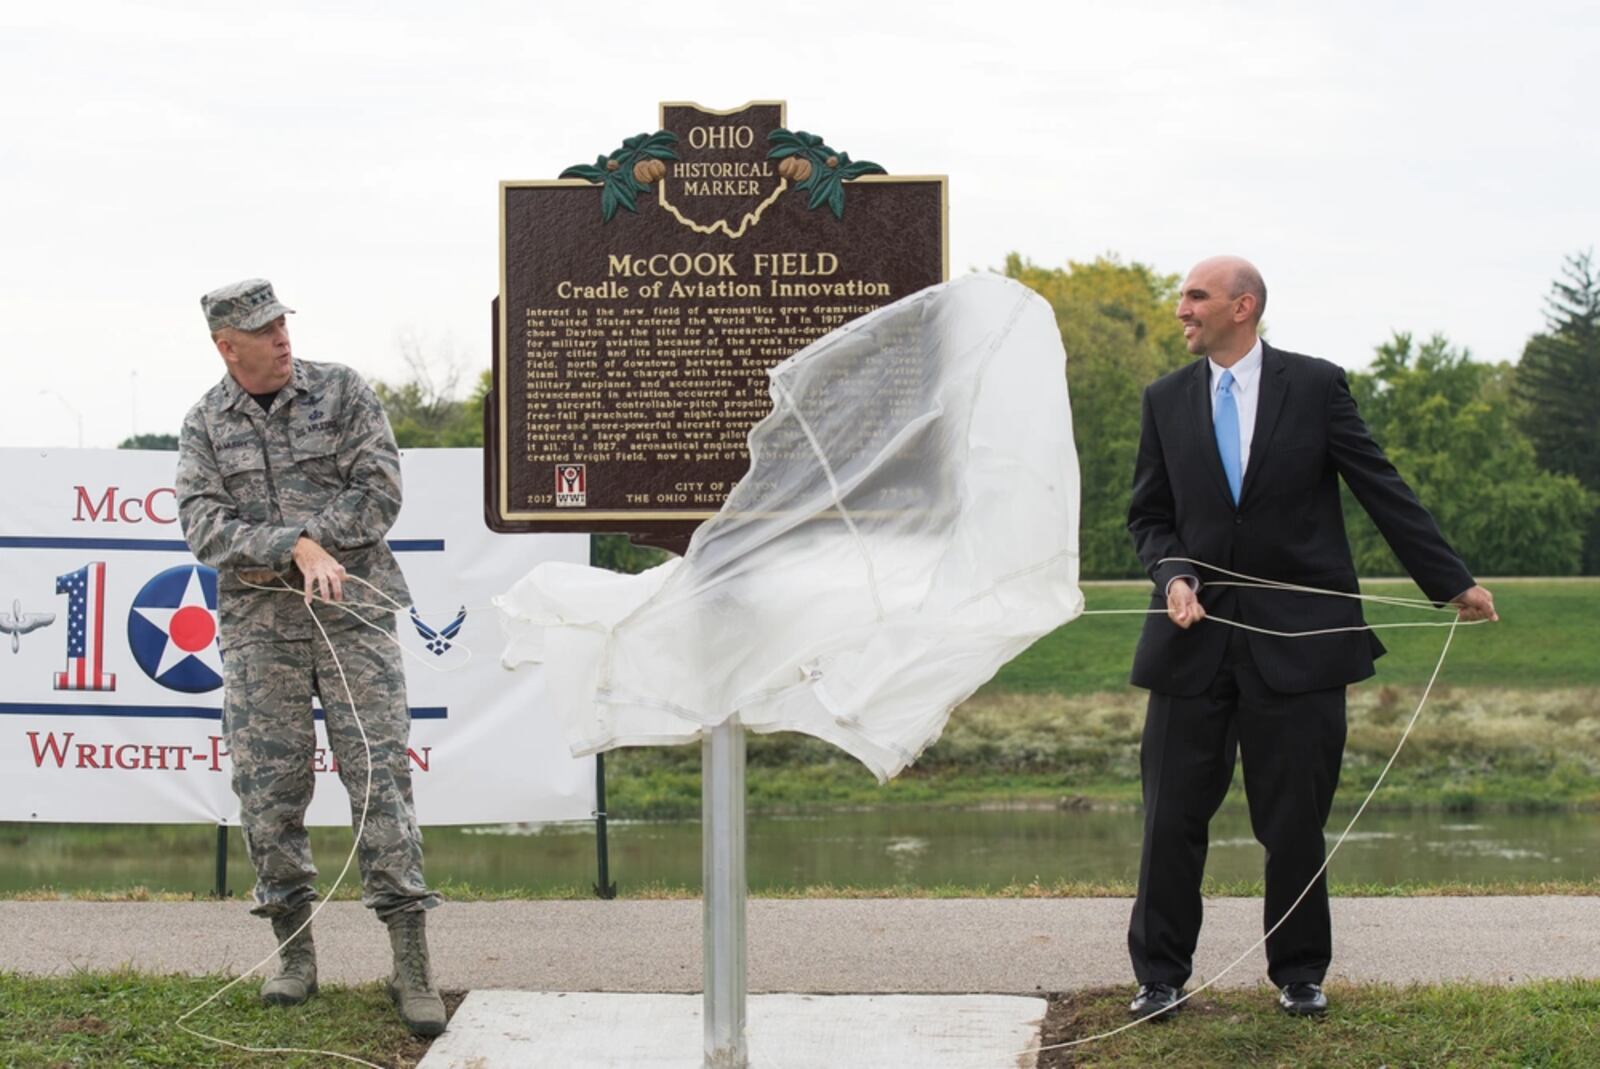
[1288, 525]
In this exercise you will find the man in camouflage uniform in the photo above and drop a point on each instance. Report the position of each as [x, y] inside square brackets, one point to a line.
[288, 477]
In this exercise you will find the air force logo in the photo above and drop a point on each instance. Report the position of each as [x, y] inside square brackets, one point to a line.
[172, 629]
[438, 641]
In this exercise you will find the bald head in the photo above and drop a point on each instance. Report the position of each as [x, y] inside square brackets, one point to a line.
[1242, 278]
[1220, 307]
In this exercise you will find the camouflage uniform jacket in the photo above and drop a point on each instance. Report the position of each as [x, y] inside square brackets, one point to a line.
[321, 462]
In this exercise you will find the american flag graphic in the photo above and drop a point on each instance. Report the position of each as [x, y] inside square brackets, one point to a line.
[86, 629]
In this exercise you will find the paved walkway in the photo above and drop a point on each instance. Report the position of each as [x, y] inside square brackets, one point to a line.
[1000, 946]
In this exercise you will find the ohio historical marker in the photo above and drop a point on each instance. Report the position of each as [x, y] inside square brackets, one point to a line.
[644, 296]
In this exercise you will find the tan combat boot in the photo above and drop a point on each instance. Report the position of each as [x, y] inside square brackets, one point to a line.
[411, 985]
[297, 961]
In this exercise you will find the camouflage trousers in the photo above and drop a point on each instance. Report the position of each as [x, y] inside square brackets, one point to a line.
[268, 727]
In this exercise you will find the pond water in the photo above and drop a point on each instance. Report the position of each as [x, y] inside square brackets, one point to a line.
[919, 847]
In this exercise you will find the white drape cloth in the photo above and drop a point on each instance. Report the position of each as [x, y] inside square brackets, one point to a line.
[909, 523]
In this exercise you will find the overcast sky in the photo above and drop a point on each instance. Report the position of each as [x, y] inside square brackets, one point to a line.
[1414, 166]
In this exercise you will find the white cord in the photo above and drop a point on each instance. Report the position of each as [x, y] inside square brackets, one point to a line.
[1273, 584]
[1278, 584]
[1406, 734]
[350, 607]
[361, 826]
[1287, 634]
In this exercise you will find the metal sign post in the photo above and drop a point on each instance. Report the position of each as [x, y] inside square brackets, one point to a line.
[722, 846]
[651, 292]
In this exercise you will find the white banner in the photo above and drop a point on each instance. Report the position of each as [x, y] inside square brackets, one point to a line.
[110, 684]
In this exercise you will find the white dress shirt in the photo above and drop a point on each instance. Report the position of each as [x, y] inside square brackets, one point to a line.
[1246, 395]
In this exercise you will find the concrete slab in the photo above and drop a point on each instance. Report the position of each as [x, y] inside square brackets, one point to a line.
[524, 1030]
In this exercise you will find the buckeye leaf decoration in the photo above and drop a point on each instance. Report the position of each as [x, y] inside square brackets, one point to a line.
[628, 171]
[817, 169]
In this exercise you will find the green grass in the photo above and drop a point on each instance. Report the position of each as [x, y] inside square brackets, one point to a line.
[1551, 1025]
[1548, 636]
[129, 1019]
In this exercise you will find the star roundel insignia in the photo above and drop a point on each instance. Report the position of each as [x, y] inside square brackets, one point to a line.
[172, 629]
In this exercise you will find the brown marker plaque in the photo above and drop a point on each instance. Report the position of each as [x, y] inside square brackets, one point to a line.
[644, 296]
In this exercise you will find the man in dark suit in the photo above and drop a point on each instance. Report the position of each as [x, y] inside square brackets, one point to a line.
[1240, 455]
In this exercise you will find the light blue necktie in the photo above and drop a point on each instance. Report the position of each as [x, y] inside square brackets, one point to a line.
[1225, 419]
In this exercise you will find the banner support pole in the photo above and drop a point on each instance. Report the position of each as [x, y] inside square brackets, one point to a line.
[604, 888]
[221, 890]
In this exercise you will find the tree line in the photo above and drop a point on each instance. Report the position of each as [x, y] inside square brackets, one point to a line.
[1506, 456]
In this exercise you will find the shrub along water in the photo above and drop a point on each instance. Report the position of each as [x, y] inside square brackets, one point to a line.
[1472, 747]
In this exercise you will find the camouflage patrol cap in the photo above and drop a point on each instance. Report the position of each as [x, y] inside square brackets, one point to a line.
[247, 305]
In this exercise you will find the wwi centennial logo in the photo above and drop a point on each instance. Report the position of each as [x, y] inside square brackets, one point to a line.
[572, 486]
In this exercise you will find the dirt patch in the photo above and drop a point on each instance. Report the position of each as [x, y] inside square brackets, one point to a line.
[1080, 1014]
[1061, 1025]
[88, 1025]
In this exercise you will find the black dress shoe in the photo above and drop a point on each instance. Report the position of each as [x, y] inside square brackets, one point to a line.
[1157, 1000]
[1303, 1000]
